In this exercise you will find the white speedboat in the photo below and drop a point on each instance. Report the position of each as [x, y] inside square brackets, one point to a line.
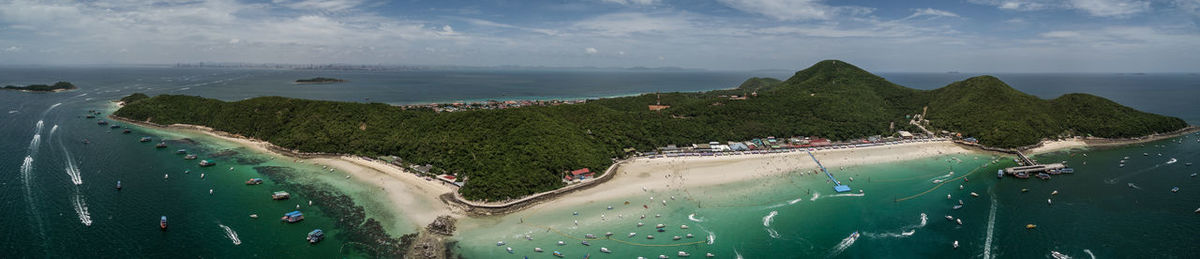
[959, 221]
[537, 249]
[499, 243]
[948, 217]
[1172, 161]
[605, 250]
[684, 254]
[560, 242]
[631, 234]
[955, 244]
[973, 194]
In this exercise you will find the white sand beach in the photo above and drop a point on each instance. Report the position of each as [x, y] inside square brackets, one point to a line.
[1056, 145]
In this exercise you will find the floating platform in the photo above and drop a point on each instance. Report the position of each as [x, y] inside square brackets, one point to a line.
[841, 188]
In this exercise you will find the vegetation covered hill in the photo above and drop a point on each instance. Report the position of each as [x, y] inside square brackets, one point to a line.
[515, 152]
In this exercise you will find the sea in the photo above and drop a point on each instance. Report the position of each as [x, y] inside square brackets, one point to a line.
[58, 172]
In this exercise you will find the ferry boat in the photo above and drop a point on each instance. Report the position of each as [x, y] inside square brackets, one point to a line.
[254, 181]
[206, 163]
[315, 236]
[161, 145]
[144, 139]
[292, 217]
[118, 185]
[189, 157]
[162, 223]
[280, 195]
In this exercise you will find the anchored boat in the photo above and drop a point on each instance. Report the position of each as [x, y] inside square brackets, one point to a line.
[315, 236]
[292, 217]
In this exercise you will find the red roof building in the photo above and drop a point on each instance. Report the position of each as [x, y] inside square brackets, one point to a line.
[580, 174]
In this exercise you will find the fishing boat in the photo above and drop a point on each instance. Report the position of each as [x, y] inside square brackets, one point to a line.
[955, 244]
[144, 139]
[1172, 161]
[118, 185]
[683, 254]
[254, 181]
[162, 223]
[1030, 226]
[605, 250]
[280, 195]
[190, 157]
[206, 163]
[292, 217]
[1175, 189]
[315, 236]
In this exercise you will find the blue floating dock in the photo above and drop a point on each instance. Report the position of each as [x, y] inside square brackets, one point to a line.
[838, 186]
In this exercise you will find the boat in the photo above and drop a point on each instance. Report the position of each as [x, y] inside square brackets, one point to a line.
[960, 202]
[948, 217]
[118, 185]
[608, 234]
[102, 122]
[960, 187]
[89, 116]
[641, 224]
[1048, 202]
[957, 206]
[210, 191]
[165, 176]
[1188, 164]
[189, 157]
[709, 255]
[181, 151]
[1193, 174]
[947, 196]
[1172, 161]
[1043, 176]
[1068, 170]
[254, 181]
[1175, 189]
[610, 207]
[683, 227]
[254, 216]
[206, 163]
[955, 244]
[1055, 192]
[662, 257]
[1145, 154]
[280, 195]
[1024, 190]
[126, 131]
[1022, 175]
[1131, 185]
[973, 194]
[1030, 226]
[114, 126]
[959, 221]
[201, 175]
[689, 235]
[662, 230]
[676, 238]
[1058, 255]
[605, 250]
[649, 236]
[292, 217]
[1000, 173]
[854, 235]
[509, 249]
[556, 253]
[1197, 210]
[315, 236]
[631, 234]
[537, 249]
[162, 223]
[660, 225]
[144, 139]
[589, 236]
[683, 254]
[560, 242]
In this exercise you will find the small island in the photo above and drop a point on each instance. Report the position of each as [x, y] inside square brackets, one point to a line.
[56, 87]
[319, 80]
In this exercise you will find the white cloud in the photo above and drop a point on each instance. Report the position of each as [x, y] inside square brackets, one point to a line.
[1113, 8]
[482, 22]
[322, 5]
[234, 41]
[792, 10]
[633, 2]
[590, 51]
[931, 12]
[1099, 8]
[625, 24]
[12, 49]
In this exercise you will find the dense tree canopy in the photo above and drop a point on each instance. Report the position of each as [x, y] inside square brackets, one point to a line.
[515, 152]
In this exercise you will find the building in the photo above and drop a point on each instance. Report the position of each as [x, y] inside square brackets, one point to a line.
[580, 174]
[905, 134]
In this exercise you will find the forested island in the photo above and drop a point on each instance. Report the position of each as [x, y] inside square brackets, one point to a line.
[56, 87]
[319, 80]
[510, 153]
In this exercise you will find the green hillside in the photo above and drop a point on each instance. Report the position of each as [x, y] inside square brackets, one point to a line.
[515, 152]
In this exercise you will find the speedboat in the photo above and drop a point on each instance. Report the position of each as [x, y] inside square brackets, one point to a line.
[955, 244]
[500, 243]
[162, 223]
[854, 235]
[1030, 226]
[683, 227]
[556, 253]
[948, 217]
[118, 185]
[605, 250]
[649, 236]
[974, 194]
[1172, 161]
[1193, 174]
[684, 254]
[676, 238]
[1055, 192]
[1058, 255]
[689, 235]
[1175, 189]
[957, 206]
[640, 224]
[509, 249]
[960, 187]
[959, 221]
[631, 234]
[709, 255]
[662, 257]
[660, 226]
[537, 249]
[608, 234]
[560, 242]
[1049, 202]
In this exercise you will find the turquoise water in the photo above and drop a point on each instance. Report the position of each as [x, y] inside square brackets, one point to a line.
[799, 216]
[43, 209]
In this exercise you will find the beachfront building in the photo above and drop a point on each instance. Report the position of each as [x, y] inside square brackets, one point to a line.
[580, 174]
[905, 134]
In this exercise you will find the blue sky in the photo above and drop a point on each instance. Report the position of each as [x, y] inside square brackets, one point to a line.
[895, 36]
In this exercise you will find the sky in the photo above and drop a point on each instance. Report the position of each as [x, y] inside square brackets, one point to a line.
[885, 36]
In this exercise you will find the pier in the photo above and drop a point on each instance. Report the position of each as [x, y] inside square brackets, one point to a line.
[837, 185]
[1030, 167]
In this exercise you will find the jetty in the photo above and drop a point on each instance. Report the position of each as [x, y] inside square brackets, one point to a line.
[1028, 166]
[837, 185]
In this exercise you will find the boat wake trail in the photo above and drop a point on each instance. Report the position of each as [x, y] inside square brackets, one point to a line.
[1136, 173]
[81, 209]
[1089, 252]
[846, 243]
[771, 232]
[33, 144]
[815, 196]
[693, 218]
[991, 227]
[230, 234]
[1131, 185]
[52, 130]
[795, 201]
[906, 231]
[848, 195]
[26, 167]
[72, 169]
[942, 177]
[770, 217]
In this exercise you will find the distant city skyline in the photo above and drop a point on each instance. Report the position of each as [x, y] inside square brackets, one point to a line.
[898, 36]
